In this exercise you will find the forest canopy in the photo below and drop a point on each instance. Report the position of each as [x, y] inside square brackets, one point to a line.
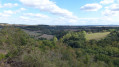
[72, 49]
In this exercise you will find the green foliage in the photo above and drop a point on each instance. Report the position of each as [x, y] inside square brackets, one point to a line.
[75, 40]
[69, 50]
[2, 56]
[102, 57]
[111, 30]
[55, 40]
[116, 62]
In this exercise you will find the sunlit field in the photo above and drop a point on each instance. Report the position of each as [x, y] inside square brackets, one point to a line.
[96, 36]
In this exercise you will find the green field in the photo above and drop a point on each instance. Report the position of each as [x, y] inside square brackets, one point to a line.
[96, 36]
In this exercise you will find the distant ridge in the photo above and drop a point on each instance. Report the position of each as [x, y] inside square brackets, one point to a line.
[6, 24]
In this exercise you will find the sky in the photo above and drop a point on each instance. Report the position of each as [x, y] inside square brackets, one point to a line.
[60, 12]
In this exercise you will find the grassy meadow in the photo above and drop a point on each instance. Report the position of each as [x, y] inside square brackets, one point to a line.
[96, 36]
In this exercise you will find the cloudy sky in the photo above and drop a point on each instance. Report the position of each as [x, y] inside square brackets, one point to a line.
[60, 12]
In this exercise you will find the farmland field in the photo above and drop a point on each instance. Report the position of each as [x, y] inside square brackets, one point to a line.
[96, 36]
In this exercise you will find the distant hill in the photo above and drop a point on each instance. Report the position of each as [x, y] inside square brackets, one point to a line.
[49, 31]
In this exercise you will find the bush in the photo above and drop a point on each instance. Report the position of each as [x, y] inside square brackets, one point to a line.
[2, 56]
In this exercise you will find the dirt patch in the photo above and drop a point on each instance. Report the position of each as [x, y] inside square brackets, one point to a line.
[46, 36]
[3, 51]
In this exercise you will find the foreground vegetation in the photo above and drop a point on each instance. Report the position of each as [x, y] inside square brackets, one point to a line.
[17, 49]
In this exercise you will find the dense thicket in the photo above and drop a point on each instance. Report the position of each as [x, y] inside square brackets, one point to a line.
[17, 49]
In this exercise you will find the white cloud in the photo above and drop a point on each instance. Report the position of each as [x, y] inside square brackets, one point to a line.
[108, 13]
[37, 15]
[48, 6]
[97, 21]
[33, 20]
[20, 10]
[112, 10]
[4, 15]
[107, 1]
[0, 5]
[69, 20]
[57, 21]
[91, 7]
[114, 7]
[14, 12]
[24, 18]
[23, 9]
[112, 13]
[38, 19]
[8, 5]
[87, 21]
[117, 1]
[44, 19]
[8, 12]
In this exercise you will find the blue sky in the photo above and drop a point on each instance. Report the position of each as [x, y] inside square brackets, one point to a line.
[60, 12]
